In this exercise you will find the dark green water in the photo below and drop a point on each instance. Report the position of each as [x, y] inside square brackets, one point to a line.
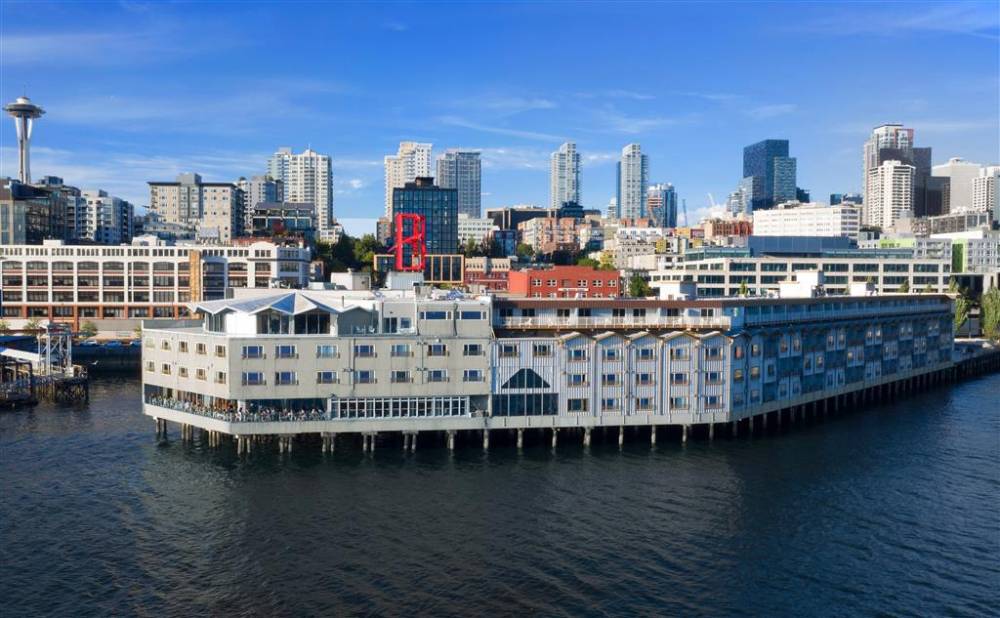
[892, 512]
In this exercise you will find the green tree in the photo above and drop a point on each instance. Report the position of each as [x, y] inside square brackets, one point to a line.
[989, 312]
[524, 251]
[471, 248]
[88, 330]
[587, 261]
[33, 324]
[639, 287]
[607, 261]
[364, 251]
[4, 326]
[744, 291]
[904, 288]
[962, 304]
[927, 289]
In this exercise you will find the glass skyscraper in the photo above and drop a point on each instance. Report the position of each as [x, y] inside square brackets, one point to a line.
[462, 170]
[772, 172]
[437, 205]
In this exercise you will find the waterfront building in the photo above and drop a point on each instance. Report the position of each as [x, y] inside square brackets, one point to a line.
[633, 180]
[766, 262]
[71, 283]
[565, 282]
[438, 207]
[462, 170]
[889, 194]
[564, 176]
[772, 173]
[213, 208]
[661, 202]
[307, 178]
[412, 161]
[323, 363]
[795, 219]
[476, 229]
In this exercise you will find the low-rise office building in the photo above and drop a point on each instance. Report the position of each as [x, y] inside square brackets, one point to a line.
[794, 219]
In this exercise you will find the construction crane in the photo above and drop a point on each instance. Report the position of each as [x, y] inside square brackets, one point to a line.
[711, 201]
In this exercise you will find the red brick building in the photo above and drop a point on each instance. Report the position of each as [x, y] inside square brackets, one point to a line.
[565, 282]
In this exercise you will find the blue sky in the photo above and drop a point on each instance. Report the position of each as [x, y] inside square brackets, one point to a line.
[141, 91]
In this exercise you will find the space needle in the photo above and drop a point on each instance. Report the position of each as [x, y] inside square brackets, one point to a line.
[24, 112]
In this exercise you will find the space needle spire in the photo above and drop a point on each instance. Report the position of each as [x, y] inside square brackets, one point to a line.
[24, 112]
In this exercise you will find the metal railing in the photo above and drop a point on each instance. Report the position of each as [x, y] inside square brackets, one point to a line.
[655, 321]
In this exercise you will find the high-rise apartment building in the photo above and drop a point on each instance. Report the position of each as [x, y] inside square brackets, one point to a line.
[412, 160]
[771, 171]
[462, 170]
[894, 142]
[307, 177]
[986, 191]
[108, 219]
[889, 193]
[961, 175]
[661, 202]
[564, 176]
[633, 178]
[215, 208]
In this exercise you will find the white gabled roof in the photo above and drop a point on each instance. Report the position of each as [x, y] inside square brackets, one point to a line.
[290, 303]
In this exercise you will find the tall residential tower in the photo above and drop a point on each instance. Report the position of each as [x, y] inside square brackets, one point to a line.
[412, 160]
[772, 173]
[462, 170]
[564, 176]
[307, 177]
[633, 178]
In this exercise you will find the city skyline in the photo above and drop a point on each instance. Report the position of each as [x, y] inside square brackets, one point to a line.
[692, 118]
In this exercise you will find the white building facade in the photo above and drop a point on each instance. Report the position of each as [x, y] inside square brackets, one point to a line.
[307, 177]
[889, 194]
[564, 176]
[633, 180]
[462, 170]
[808, 220]
[412, 160]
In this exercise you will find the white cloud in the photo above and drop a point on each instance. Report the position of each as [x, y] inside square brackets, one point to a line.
[512, 157]
[618, 122]
[457, 121]
[965, 18]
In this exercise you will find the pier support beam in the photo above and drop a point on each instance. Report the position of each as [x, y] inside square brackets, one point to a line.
[684, 434]
[413, 441]
[586, 436]
[621, 436]
[555, 437]
[451, 440]
[735, 428]
[711, 431]
[520, 438]
[486, 439]
[652, 435]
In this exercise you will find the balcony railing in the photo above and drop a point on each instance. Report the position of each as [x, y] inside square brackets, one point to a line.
[654, 321]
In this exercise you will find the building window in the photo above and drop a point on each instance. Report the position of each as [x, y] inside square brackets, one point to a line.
[285, 378]
[285, 351]
[643, 403]
[165, 345]
[472, 375]
[220, 377]
[364, 351]
[200, 374]
[755, 349]
[578, 354]
[400, 349]
[508, 350]
[737, 375]
[326, 377]
[713, 377]
[609, 379]
[253, 378]
[678, 353]
[576, 379]
[611, 354]
[471, 315]
[609, 404]
[542, 349]
[182, 347]
[576, 405]
[220, 351]
[199, 348]
[713, 353]
[182, 371]
[434, 315]
[437, 375]
[472, 349]
[678, 378]
[365, 376]
[755, 372]
[400, 377]
[713, 401]
[253, 351]
[646, 354]
[644, 379]
[678, 403]
[326, 351]
[150, 366]
[165, 368]
[437, 349]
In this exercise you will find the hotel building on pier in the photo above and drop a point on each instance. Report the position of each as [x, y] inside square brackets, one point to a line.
[276, 363]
